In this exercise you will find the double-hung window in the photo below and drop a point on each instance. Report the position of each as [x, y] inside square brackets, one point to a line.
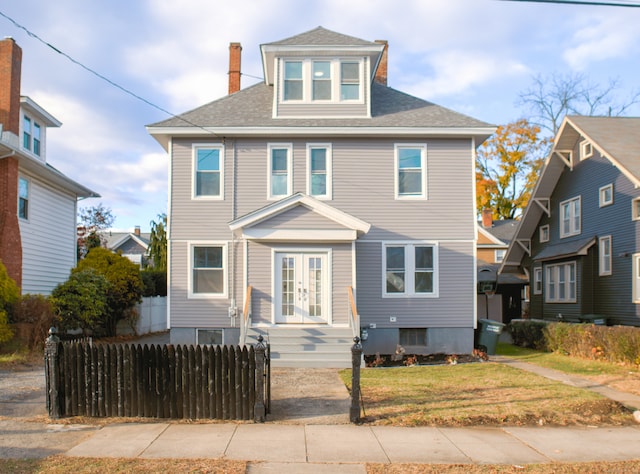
[604, 244]
[280, 173]
[26, 133]
[410, 270]
[319, 171]
[570, 217]
[23, 198]
[329, 80]
[208, 171]
[208, 263]
[561, 283]
[349, 81]
[293, 84]
[411, 171]
[537, 281]
[36, 138]
[321, 72]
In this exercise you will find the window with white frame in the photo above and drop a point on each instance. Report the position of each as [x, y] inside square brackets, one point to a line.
[208, 171]
[325, 80]
[499, 255]
[604, 244]
[544, 233]
[561, 283]
[26, 133]
[636, 278]
[410, 270]
[606, 195]
[635, 209]
[280, 179]
[570, 217]
[319, 164]
[23, 198]
[208, 276]
[537, 281]
[411, 171]
[586, 150]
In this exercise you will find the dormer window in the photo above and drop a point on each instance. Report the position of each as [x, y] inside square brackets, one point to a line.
[322, 80]
[31, 135]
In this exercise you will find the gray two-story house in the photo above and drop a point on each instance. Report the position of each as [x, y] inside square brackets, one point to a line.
[320, 204]
[579, 238]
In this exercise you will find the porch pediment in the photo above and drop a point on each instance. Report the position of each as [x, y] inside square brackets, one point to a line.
[299, 218]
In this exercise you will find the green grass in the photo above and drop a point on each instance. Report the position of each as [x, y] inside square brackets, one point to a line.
[564, 363]
[478, 394]
[14, 352]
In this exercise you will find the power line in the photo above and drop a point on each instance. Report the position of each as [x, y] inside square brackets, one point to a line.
[101, 76]
[618, 3]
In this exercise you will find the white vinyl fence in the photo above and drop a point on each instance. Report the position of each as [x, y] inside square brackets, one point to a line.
[152, 317]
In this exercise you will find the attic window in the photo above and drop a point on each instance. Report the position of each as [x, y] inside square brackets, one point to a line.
[586, 150]
[331, 80]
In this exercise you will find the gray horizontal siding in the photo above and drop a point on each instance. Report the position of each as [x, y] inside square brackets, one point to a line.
[322, 110]
[453, 308]
[298, 218]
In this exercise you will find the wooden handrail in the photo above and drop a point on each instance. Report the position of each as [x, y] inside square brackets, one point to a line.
[355, 317]
[246, 315]
[247, 303]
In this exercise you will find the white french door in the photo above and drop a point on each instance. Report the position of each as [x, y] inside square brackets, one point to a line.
[301, 287]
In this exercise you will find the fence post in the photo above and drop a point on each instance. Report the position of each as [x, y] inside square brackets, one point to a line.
[259, 408]
[52, 372]
[356, 357]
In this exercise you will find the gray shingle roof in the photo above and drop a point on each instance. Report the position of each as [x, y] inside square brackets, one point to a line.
[503, 229]
[252, 107]
[321, 37]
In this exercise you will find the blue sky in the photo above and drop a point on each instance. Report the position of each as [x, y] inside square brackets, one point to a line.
[473, 56]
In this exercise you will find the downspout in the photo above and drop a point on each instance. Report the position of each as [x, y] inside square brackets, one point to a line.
[233, 309]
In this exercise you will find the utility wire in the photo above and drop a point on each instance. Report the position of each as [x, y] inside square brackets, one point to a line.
[618, 3]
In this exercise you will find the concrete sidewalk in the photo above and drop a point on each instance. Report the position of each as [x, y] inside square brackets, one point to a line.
[345, 448]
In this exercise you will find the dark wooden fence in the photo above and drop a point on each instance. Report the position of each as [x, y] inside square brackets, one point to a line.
[158, 381]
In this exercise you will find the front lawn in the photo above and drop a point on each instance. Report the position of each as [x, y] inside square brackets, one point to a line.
[475, 394]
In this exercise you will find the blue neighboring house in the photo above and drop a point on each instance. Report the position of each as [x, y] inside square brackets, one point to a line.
[579, 237]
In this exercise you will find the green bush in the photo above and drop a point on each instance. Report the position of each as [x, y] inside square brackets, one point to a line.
[618, 344]
[155, 282]
[9, 295]
[37, 311]
[528, 333]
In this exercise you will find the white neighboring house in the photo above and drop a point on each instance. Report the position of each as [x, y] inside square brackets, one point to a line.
[38, 203]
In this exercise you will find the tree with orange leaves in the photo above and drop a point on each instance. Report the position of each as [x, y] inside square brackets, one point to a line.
[507, 167]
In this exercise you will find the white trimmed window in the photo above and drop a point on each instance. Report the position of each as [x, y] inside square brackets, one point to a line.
[605, 195]
[319, 167]
[280, 179]
[23, 198]
[31, 135]
[411, 171]
[537, 281]
[561, 283]
[208, 176]
[208, 270]
[331, 80]
[604, 245]
[499, 255]
[570, 217]
[586, 150]
[635, 209]
[544, 233]
[410, 270]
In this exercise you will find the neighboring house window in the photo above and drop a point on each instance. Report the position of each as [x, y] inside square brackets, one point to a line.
[410, 270]
[586, 150]
[23, 198]
[349, 81]
[499, 255]
[280, 174]
[636, 278]
[319, 179]
[26, 133]
[561, 283]
[413, 336]
[411, 171]
[570, 217]
[293, 86]
[606, 195]
[635, 209]
[544, 233]
[36, 139]
[605, 255]
[537, 281]
[321, 80]
[208, 263]
[208, 171]
[326, 80]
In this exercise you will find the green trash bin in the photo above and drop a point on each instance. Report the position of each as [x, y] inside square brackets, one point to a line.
[489, 334]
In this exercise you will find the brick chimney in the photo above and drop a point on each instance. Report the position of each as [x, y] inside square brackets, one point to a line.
[381, 72]
[136, 231]
[235, 51]
[10, 242]
[487, 218]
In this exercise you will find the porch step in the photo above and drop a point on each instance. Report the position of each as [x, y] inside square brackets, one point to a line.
[306, 347]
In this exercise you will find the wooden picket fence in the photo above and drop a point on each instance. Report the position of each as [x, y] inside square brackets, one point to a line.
[158, 381]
